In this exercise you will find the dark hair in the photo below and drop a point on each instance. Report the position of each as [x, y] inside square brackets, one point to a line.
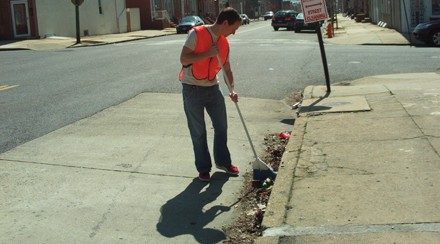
[229, 14]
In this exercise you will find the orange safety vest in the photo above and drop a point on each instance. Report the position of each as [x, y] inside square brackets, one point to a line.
[209, 67]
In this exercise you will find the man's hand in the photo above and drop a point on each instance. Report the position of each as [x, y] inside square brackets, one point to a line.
[234, 96]
[213, 50]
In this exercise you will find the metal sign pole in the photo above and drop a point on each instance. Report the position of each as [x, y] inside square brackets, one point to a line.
[315, 11]
[324, 58]
[77, 3]
[78, 37]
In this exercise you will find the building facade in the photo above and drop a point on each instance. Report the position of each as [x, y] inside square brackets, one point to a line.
[21, 19]
[401, 15]
[18, 19]
[404, 15]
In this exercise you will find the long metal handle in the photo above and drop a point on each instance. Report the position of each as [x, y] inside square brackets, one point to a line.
[238, 108]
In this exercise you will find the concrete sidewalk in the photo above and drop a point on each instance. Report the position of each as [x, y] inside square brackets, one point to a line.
[362, 165]
[127, 175]
[350, 32]
[69, 42]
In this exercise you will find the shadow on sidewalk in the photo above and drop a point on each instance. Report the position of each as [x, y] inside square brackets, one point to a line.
[185, 214]
[6, 42]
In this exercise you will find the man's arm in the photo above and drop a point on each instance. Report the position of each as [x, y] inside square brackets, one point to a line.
[228, 72]
[187, 56]
[233, 94]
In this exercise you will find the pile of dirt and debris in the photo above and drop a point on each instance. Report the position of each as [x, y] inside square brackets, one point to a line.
[255, 195]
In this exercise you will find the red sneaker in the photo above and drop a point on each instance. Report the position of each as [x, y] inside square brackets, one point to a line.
[231, 169]
[204, 177]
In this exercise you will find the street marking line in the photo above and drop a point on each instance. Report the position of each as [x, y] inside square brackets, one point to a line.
[6, 87]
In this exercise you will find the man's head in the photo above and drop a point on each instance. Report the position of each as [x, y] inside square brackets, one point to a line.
[230, 21]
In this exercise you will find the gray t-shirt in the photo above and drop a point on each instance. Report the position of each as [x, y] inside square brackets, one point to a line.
[188, 78]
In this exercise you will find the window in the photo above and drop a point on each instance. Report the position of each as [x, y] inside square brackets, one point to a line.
[436, 7]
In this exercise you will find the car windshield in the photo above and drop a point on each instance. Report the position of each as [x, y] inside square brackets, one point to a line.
[300, 16]
[188, 19]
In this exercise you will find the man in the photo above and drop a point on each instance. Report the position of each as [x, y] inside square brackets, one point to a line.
[201, 90]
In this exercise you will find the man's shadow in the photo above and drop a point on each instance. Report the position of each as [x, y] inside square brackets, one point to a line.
[185, 213]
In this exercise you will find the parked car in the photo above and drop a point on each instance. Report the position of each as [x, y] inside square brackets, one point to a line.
[244, 19]
[187, 23]
[268, 15]
[301, 25]
[284, 19]
[428, 32]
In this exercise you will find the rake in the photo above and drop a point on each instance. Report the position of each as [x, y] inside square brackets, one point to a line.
[261, 170]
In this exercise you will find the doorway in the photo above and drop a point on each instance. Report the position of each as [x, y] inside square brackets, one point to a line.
[20, 18]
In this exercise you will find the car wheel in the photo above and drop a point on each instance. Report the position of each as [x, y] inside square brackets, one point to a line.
[275, 28]
[435, 38]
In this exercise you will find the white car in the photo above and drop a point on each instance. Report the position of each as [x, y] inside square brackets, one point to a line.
[244, 19]
[268, 15]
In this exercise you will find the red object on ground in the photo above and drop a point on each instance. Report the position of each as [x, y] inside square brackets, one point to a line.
[284, 135]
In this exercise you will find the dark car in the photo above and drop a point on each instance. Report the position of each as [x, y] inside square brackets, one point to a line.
[268, 15]
[284, 19]
[187, 23]
[301, 25]
[244, 19]
[428, 32]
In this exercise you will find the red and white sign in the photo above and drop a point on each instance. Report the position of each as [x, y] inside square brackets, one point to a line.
[314, 10]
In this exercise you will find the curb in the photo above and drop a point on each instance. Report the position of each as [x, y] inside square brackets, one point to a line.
[115, 42]
[385, 44]
[282, 189]
[94, 43]
[14, 49]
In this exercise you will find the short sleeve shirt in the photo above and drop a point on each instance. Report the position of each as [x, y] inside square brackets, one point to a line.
[188, 78]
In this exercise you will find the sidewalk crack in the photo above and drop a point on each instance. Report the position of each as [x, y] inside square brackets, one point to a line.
[92, 168]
